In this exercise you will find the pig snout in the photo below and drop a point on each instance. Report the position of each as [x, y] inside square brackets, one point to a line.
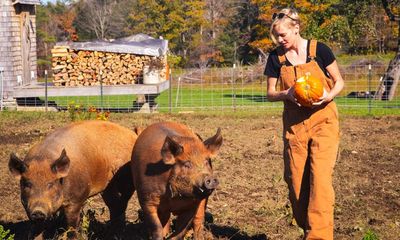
[38, 215]
[210, 182]
[207, 185]
[38, 212]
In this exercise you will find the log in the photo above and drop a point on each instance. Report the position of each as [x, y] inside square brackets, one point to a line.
[73, 67]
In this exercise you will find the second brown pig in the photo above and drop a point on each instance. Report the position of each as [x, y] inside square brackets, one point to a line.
[172, 174]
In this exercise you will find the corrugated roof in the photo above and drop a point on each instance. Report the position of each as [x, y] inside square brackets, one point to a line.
[140, 44]
[35, 2]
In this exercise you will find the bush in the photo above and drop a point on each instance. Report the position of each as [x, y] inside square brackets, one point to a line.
[370, 235]
[78, 112]
[4, 234]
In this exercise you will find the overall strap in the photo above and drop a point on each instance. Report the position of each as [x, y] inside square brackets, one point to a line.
[313, 49]
[281, 55]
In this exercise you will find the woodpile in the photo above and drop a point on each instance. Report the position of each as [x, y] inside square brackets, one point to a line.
[87, 68]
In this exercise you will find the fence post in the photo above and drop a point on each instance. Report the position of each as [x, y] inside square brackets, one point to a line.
[369, 89]
[1, 89]
[177, 91]
[234, 87]
[170, 91]
[46, 103]
[101, 91]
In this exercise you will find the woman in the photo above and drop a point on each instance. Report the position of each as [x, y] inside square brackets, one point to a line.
[310, 134]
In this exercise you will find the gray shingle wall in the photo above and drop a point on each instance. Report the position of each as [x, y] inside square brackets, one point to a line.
[6, 64]
[10, 43]
[33, 53]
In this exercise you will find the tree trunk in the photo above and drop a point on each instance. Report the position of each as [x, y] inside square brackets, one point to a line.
[391, 77]
[390, 80]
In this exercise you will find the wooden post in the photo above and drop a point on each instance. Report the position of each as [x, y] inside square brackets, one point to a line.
[369, 89]
[46, 103]
[1, 89]
[101, 90]
[170, 90]
[25, 46]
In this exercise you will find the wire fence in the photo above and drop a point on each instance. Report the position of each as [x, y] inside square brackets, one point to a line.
[232, 89]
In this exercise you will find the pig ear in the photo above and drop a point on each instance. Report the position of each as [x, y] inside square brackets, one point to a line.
[61, 165]
[170, 150]
[16, 166]
[138, 130]
[214, 143]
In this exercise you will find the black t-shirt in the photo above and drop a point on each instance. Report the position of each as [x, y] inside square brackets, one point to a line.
[324, 58]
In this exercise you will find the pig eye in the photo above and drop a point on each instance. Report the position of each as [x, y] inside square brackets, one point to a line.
[187, 165]
[52, 184]
[26, 183]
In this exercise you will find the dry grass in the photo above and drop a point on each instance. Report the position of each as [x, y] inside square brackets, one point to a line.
[251, 202]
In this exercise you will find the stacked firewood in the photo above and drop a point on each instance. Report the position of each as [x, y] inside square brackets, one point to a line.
[88, 68]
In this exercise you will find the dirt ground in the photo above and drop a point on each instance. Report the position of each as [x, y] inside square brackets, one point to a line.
[251, 201]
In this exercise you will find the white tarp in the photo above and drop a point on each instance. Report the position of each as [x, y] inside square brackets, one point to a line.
[140, 44]
[34, 2]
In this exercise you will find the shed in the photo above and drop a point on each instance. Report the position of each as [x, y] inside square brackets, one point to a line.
[17, 45]
[90, 69]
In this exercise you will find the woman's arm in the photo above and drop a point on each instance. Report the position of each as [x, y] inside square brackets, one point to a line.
[334, 73]
[273, 95]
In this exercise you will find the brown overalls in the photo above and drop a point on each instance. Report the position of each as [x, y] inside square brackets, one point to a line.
[311, 139]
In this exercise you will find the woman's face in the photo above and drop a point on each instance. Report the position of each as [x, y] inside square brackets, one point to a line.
[286, 35]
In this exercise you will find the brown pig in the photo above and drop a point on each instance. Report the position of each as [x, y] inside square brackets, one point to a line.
[72, 164]
[172, 173]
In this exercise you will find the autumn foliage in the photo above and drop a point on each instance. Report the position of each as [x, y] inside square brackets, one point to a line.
[203, 33]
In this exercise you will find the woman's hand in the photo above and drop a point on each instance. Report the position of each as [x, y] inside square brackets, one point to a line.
[326, 97]
[290, 96]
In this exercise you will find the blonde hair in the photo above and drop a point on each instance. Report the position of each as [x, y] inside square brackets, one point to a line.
[291, 18]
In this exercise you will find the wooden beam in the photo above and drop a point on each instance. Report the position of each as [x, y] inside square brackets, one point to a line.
[134, 89]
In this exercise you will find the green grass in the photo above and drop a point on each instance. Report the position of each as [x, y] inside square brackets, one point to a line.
[220, 97]
[119, 101]
[353, 106]
[345, 59]
[225, 98]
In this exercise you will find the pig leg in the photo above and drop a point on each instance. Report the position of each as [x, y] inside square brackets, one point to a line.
[116, 196]
[153, 222]
[118, 192]
[35, 232]
[164, 216]
[72, 215]
[183, 222]
[198, 221]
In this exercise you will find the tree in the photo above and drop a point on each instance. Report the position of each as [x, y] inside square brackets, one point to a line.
[366, 23]
[54, 22]
[102, 19]
[46, 34]
[181, 22]
[315, 16]
[218, 32]
[63, 15]
[391, 77]
[241, 32]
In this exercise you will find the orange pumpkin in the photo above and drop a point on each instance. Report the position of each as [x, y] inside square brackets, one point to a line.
[308, 90]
